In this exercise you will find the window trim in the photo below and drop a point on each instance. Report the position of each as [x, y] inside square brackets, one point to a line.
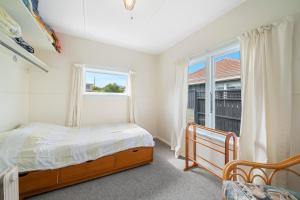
[104, 71]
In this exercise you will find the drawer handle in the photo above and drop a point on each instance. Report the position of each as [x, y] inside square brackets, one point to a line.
[23, 174]
[136, 150]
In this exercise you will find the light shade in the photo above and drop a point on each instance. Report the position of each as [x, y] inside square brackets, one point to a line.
[129, 4]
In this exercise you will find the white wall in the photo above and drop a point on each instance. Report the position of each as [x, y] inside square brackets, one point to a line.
[14, 92]
[248, 15]
[49, 93]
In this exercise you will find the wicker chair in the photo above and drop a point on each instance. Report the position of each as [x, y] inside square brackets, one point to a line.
[248, 172]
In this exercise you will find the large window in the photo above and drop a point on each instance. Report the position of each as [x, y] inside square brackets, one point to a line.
[105, 82]
[214, 98]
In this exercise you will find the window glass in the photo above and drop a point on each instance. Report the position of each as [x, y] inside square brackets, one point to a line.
[228, 92]
[98, 81]
[196, 93]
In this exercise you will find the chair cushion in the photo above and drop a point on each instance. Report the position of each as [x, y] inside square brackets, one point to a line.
[233, 190]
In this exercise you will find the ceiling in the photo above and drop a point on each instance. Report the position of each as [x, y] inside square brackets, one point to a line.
[153, 26]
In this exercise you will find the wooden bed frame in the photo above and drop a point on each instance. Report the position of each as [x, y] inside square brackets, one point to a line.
[36, 182]
[249, 171]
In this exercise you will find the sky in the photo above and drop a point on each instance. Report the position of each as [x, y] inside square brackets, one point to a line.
[195, 67]
[102, 79]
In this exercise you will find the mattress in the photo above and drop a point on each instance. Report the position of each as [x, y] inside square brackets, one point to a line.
[40, 146]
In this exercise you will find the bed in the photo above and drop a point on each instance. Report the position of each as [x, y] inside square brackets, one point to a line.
[51, 156]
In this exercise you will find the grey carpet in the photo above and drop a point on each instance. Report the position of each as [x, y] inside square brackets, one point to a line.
[164, 179]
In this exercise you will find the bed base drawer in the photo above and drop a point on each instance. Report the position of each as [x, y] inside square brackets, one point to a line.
[133, 156]
[87, 169]
[38, 182]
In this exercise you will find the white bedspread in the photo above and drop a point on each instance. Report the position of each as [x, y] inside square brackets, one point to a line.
[40, 146]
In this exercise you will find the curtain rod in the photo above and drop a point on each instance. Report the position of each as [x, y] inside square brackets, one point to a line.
[216, 47]
[237, 38]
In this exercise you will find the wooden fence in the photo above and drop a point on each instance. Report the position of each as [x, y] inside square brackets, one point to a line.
[227, 108]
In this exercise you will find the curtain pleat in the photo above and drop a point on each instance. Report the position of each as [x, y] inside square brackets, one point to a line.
[131, 96]
[76, 96]
[180, 107]
[266, 93]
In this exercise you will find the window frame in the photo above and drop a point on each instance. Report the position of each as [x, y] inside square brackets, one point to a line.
[104, 71]
[208, 60]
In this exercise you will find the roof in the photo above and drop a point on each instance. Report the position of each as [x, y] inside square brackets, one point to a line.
[226, 69]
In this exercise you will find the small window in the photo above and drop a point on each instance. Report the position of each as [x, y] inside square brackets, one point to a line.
[105, 82]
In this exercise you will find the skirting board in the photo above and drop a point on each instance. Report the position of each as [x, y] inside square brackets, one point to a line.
[163, 140]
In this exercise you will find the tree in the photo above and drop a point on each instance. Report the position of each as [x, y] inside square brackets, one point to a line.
[111, 88]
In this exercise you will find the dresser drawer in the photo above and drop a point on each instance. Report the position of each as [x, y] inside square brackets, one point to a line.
[133, 156]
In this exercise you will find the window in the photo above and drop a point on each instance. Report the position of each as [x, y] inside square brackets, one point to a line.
[105, 82]
[214, 96]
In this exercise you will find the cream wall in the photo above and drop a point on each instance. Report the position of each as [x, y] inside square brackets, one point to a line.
[248, 15]
[14, 92]
[49, 92]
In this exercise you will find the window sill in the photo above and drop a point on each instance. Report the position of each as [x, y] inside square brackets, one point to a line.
[105, 94]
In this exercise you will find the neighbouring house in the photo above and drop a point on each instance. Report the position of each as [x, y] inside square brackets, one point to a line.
[89, 87]
[227, 75]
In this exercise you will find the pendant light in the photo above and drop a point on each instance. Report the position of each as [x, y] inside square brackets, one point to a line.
[129, 4]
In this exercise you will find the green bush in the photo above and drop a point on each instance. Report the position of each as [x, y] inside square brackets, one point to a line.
[109, 88]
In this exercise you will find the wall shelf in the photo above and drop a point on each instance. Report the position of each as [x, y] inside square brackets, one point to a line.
[32, 32]
[11, 47]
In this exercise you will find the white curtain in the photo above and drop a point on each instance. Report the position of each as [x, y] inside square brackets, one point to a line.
[77, 86]
[266, 92]
[131, 96]
[180, 107]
